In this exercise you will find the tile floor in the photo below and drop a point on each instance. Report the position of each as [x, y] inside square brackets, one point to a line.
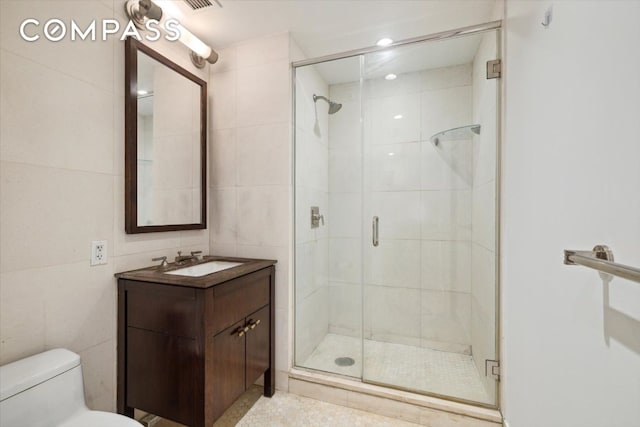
[290, 410]
[285, 409]
[409, 367]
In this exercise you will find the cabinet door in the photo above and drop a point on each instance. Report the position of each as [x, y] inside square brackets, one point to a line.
[228, 368]
[257, 345]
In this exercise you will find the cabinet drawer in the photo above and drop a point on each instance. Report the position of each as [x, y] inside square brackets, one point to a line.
[237, 299]
[170, 311]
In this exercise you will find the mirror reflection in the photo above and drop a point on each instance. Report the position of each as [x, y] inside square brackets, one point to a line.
[166, 125]
[168, 145]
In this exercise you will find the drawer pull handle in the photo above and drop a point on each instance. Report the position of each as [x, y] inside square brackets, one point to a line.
[254, 324]
[243, 331]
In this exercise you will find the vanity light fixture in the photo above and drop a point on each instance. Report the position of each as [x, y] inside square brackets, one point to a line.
[139, 10]
[390, 76]
[384, 42]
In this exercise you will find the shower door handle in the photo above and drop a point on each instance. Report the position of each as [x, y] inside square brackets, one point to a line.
[374, 233]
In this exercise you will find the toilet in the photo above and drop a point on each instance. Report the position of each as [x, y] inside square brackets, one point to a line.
[46, 390]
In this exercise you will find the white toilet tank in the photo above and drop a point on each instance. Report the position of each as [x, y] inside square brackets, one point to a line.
[46, 390]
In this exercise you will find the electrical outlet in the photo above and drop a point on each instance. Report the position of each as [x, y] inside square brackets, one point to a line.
[98, 252]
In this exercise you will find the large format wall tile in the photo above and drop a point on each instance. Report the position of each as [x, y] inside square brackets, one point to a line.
[45, 114]
[263, 94]
[263, 215]
[57, 211]
[263, 155]
[446, 265]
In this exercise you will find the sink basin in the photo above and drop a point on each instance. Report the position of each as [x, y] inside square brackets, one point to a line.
[204, 269]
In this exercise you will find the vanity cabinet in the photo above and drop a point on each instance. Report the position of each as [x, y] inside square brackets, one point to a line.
[188, 347]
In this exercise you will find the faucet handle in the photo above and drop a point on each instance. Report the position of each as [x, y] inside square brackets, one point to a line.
[195, 254]
[164, 262]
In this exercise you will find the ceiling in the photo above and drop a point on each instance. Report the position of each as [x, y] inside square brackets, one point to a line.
[322, 27]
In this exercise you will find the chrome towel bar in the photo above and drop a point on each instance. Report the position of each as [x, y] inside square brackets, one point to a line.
[601, 259]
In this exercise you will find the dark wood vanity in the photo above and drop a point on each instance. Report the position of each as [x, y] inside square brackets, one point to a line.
[188, 347]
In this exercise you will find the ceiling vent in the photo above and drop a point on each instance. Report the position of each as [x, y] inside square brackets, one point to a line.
[201, 4]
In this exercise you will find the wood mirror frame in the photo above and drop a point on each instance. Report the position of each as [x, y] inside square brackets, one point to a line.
[132, 47]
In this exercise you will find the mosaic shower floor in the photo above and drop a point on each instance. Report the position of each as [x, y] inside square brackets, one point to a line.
[409, 367]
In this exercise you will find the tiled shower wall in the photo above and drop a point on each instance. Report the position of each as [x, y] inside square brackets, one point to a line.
[312, 244]
[62, 186]
[417, 286]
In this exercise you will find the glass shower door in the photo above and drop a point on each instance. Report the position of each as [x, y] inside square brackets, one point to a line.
[428, 223]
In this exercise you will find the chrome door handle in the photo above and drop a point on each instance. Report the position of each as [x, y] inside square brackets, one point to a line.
[374, 234]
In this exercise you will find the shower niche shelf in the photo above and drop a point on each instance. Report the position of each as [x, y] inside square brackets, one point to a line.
[455, 134]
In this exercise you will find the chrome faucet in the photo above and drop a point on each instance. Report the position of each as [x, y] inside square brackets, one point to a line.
[181, 259]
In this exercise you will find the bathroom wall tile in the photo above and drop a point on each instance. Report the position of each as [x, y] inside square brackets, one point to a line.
[446, 215]
[227, 60]
[304, 270]
[223, 160]
[447, 166]
[395, 167]
[446, 266]
[223, 100]
[263, 215]
[345, 215]
[345, 170]
[311, 162]
[399, 213]
[263, 155]
[312, 323]
[396, 119]
[483, 215]
[305, 197]
[223, 215]
[350, 91]
[87, 61]
[284, 344]
[226, 249]
[344, 126]
[393, 263]
[99, 375]
[22, 330]
[263, 50]
[446, 77]
[79, 304]
[404, 84]
[263, 94]
[345, 308]
[345, 260]
[392, 314]
[312, 116]
[67, 111]
[194, 240]
[70, 208]
[446, 316]
[445, 109]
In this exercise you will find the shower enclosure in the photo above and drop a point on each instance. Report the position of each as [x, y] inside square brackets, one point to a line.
[395, 216]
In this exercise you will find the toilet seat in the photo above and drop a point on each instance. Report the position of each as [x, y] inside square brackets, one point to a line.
[99, 419]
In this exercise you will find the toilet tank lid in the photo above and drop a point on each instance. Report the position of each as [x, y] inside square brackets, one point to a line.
[22, 374]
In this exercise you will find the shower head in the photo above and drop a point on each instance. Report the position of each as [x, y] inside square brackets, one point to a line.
[334, 107]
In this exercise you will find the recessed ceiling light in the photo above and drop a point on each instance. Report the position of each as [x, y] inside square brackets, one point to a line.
[390, 76]
[384, 42]
[397, 116]
[142, 92]
[391, 154]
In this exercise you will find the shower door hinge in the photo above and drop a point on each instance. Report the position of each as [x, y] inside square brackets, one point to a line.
[492, 369]
[494, 69]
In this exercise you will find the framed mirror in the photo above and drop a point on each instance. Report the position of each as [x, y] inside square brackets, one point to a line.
[165, 143]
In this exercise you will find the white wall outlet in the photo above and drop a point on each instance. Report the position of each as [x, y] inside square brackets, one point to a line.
[98, 252]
